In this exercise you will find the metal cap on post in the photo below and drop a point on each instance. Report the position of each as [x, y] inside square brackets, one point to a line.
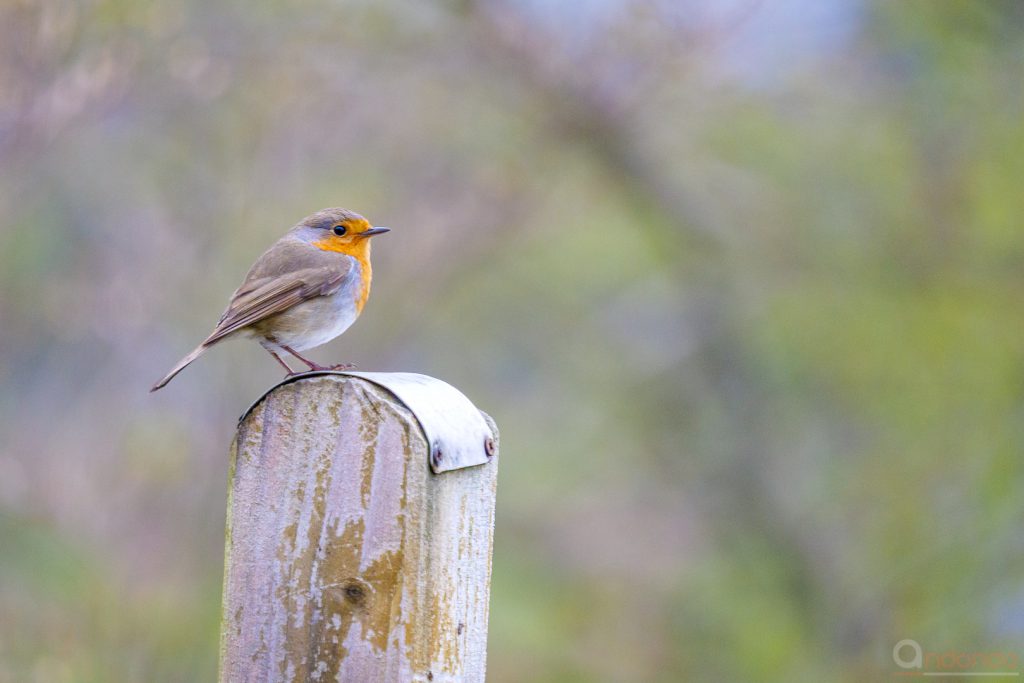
[360, 528]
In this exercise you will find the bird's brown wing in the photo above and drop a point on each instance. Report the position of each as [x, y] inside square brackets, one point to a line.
[261, 298]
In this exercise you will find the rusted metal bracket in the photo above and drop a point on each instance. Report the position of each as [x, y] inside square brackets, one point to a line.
[455, 429]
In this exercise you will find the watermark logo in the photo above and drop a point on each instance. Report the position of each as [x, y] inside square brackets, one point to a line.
[915, 661]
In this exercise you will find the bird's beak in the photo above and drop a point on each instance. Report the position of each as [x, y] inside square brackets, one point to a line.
[374, 231]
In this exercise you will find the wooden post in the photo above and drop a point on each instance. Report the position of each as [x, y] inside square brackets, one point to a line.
[348, 557]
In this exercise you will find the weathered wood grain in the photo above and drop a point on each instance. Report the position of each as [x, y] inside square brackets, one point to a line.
[346, 558]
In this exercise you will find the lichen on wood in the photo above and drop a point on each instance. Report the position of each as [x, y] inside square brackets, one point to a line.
[346, 558]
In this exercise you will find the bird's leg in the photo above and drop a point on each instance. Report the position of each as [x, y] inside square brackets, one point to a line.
[314, 366]
[283, 364]
[311, 364]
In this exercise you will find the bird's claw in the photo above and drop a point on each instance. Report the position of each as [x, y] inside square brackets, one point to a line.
[314, 367]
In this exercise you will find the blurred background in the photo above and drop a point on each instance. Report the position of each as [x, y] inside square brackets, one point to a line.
[741, 282]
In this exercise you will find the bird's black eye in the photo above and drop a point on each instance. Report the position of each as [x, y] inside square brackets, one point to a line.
[340, 230]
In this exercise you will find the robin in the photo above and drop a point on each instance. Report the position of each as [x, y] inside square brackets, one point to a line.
[302, 292]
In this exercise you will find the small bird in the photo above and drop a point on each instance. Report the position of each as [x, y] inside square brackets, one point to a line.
[304, 291]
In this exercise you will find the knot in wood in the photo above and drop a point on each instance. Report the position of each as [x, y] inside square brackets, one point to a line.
[355, 592]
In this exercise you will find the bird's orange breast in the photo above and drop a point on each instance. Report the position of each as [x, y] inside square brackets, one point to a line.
[365, 275]
[360, 251]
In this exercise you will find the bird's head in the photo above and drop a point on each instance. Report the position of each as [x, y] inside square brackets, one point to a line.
[339, 230]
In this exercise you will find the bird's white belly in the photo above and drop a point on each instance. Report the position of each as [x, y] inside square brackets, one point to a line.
[334, 320]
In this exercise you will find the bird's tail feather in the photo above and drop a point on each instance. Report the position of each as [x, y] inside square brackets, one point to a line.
[196, 352]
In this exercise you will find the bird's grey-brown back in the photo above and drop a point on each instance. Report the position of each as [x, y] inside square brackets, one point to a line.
[292, 253]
